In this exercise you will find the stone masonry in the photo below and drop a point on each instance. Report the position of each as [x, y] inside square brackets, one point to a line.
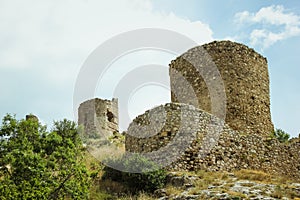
[246, 81]
[99, 116]
[187, 134]
[191, 139]
[184, 135]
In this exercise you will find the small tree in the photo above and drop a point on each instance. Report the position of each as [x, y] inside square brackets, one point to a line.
[36, 164]
[281, 135]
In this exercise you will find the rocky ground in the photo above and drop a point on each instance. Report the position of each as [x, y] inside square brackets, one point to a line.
[244, 184]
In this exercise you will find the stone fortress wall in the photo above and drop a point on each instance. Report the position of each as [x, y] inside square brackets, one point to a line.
[244, 140]
[186, 136]
[201, 144]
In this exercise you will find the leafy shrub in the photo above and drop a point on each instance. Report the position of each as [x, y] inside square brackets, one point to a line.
[37, 164]
[281, 135]
[152, 177]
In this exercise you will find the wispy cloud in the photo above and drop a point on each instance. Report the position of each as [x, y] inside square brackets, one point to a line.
[275, 23]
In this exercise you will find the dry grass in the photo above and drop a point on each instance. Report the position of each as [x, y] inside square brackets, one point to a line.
[253, 175]
[281, 180]
[171, 190]
[236, 194]
[262, 177]
[106, 151]
[206, 179]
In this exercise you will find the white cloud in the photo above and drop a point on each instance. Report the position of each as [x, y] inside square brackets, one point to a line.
[271, 19]
[51, 40]
[63, 33]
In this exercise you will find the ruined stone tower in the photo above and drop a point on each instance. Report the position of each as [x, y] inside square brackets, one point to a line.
[99, 117]
[185, 134]
[246, 81]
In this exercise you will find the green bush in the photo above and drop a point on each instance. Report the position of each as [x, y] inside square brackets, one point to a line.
[281, 135]
[152, 177]
[37, 164]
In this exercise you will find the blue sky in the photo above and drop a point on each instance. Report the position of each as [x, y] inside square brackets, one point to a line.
[44, 44]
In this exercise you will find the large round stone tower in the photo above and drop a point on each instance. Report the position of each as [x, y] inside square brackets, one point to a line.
[245, 78]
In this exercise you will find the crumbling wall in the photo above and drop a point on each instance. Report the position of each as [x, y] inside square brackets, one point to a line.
[194, 138]
[246, 81]
[99, 117]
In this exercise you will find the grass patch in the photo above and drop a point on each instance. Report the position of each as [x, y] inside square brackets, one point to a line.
[253, 175]
[171, 190]
[207, 179]
[263, 177]
[236, 195]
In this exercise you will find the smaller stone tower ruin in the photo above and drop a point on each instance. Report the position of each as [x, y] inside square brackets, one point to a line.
[99, 117]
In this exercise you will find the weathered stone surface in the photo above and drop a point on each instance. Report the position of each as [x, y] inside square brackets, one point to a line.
[187, 136]
[99, 116]
[194, 141]
[229, 188]
[245, 77]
